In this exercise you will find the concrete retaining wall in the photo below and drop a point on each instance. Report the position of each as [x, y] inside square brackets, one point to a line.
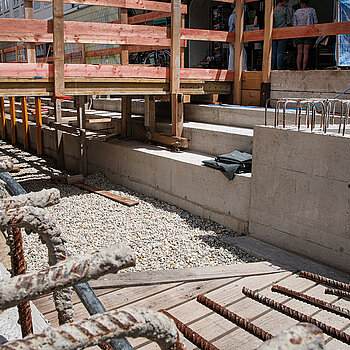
[300, 194]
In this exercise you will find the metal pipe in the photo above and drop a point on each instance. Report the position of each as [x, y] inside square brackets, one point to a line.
[33, 285]
[190, 334]
[337, 292]
[331, 331]
[325, 280]
[312, 301]
[102, 328]
[231, 316]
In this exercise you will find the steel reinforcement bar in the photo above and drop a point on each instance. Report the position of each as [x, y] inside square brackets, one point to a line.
[325, 280]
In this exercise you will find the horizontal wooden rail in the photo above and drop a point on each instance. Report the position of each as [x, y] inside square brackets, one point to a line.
[150, 16]
[130, 4]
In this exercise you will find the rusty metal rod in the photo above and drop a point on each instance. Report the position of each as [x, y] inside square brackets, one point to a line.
[102, 328]
[231, 316]
[32, 285]
[313, 301]
[190, 334]
[325, 280]
[331, 331]
[337, 292]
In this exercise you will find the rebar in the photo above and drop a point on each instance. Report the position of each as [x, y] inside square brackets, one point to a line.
[102, 328]
[337, 292]
[329, 330]
[312, 301]
[325, 280]
[231, 316]
[6, 165]
[33, 285]
[190, 334]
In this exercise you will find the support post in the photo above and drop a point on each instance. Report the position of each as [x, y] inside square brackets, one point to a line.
[58, 54]
[83, 53]
[81, 116]
[16, 51]
[28, 14]
[13, 120]
[175, 63]
[150, 113]
[25, 123]
[267, 52]
[3, 119]
[39, 126]
[237, 75]
[2, 56]
[182, 59]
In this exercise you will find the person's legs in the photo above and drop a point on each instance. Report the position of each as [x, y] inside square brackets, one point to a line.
[280, 53]
[274, 54]
[231, 58]
[300, 49]
[306, 55]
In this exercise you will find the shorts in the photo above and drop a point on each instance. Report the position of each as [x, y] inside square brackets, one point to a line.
[305, 41]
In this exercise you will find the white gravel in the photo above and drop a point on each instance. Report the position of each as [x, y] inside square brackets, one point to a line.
[162, 235]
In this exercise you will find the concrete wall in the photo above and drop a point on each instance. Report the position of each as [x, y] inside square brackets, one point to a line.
[300, 193]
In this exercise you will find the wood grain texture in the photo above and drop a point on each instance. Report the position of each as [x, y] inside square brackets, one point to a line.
[267, 51]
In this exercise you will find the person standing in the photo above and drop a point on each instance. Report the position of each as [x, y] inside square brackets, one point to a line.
[304, 16]
[231, 59]
[282, 17]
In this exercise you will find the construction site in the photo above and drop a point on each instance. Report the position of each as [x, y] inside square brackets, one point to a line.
[150, 197]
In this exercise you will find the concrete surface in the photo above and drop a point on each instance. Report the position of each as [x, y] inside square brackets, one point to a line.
[300, 193]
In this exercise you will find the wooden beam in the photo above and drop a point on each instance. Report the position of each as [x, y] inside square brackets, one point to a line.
[126, 130]
[130, 4]
[182, 49]
[81, 120]
[2, 56]
[239, 28]
[39, 126]
[25, 123]
[150, 113]
[267, 41]
[13, 120]
[28, 14]
[150, 16]
[3, 119]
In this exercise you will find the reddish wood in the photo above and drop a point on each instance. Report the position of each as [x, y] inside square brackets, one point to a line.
[150, 16]
[25, 123]
[132, 4]
[3, 120]
[13, 119]
[39, 126]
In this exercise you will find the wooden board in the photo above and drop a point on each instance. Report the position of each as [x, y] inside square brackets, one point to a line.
[114, 197]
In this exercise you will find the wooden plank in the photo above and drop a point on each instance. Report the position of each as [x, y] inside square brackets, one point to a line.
[150, 113]
[251, 80]
[126, 201]
[126, 117]
[150, 16]
[2, 119]
[250, 98]
[239, 27]
[25, 123]
[39, 126]
[267, 51]
[13, 120]
[191, 274]
[131, 4]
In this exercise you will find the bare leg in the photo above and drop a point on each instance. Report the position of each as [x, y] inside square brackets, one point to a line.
[300, 49]
[306, 56]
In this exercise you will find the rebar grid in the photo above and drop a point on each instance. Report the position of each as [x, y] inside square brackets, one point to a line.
[337, 292]
[190, 334]
[324, 280]
[32, 285]
[329, 330]
[231, 316]
[312, 301]
[102, 328]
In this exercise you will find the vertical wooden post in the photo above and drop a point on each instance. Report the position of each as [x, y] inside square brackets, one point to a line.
[16, 51]
[182, 49]
[150, 114]
[3, 119]
[25, 123]
[13, 120]
[81, 120]
[267, 52]
[28, 14]
[239, 28]
[83, 53]
[175, 63]
[39, 126]
[58, 54]
[2, 56]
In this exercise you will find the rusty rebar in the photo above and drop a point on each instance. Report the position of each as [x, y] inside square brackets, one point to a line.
[102, 328]
[33, 285]
[329, 330]
[190, 334]
[312, 301]
[337, 292]
[324, 280]
[231, 316]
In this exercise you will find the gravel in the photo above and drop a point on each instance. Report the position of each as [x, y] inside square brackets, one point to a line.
[162, 235]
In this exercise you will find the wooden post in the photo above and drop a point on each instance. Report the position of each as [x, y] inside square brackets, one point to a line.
[3, 119]
[28, 14]
[16, 51]
[13, 120]
[83, 53]
[81, 119]
[237, 75]
[175, 63]
[150, 113]
[267, 52]
[2, 56]
[25, 123]
[39, 126]
[58, 54]
[182, 49]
